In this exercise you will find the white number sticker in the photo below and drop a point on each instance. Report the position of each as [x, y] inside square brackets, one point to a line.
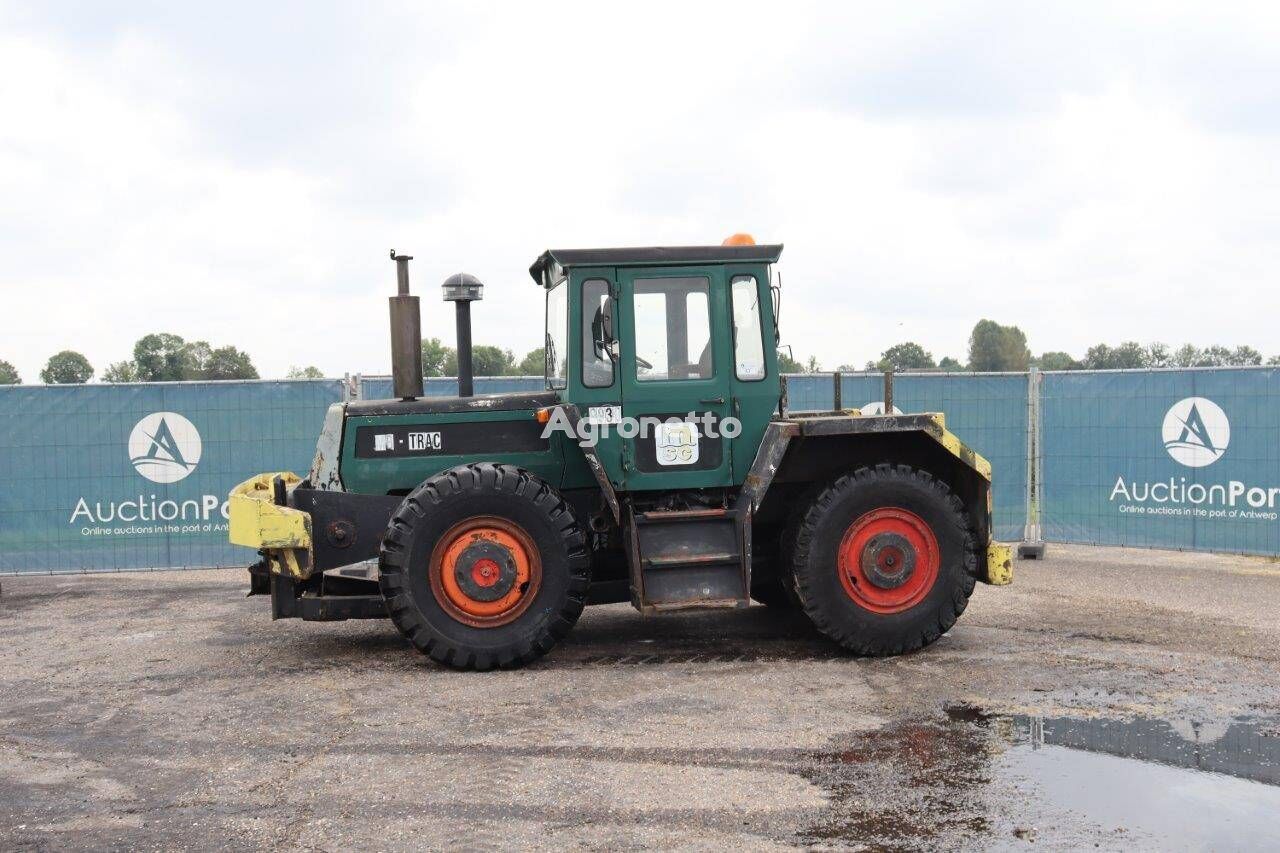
[604, 415]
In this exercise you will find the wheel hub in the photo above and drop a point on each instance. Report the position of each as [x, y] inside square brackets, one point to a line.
[888, 560]
[485, 571]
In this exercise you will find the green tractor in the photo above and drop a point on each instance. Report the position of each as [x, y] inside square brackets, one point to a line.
[659, 466]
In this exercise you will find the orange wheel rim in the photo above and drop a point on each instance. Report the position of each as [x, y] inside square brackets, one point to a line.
[888, 560]
[485, 571]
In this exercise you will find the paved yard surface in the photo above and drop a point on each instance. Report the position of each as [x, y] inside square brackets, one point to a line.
[1113, 698]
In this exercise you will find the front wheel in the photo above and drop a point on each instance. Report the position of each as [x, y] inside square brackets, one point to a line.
[484, 565]
[884, 560]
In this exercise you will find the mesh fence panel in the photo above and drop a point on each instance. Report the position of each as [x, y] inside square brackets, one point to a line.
[108, 477]
[809, 392]
[1184, 459]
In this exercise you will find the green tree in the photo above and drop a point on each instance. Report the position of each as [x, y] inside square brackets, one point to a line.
[435, 355]
[1214, 356]
[120, 371]
[533, 364]
[1246, 356]
[1158, 355]
[308, 372]
[1128, 356]
[904, 356]
[485, 361]
[787, 364]
[67, 368]
[227, 363]
[949, 363]
[1275, 359]
[9, 374]
[1057, 361]
[1186, 355]
[812, 365]
[161, 357]
[195, 360]
[996, 347]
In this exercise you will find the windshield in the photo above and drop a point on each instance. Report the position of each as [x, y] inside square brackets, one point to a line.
[557, 352]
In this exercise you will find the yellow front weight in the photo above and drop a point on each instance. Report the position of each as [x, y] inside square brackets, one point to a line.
[257, 522]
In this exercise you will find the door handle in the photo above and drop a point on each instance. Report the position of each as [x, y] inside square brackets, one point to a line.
[716, 400]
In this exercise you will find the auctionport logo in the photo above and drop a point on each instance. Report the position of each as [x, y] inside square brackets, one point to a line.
[164, 447]
[1196, 432]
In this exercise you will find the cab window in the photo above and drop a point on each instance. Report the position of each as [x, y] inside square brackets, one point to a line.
[748, 342]
[557, 352]
[597, 333]
[673, 328]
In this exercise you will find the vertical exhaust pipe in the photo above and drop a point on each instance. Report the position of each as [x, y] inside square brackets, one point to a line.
[462, 289]
[466, 369]
[406, 335]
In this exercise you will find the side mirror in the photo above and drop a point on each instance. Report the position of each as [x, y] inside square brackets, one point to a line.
[776, 290]
[602, 336]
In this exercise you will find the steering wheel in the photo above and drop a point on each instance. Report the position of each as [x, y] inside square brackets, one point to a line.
[642, 363]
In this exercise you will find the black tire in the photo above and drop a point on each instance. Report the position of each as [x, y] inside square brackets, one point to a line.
[517, 497]
[817, 537]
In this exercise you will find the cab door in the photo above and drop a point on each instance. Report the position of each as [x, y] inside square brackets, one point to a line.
[676, 362]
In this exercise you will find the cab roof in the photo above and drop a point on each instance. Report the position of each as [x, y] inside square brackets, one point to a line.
[551, 264]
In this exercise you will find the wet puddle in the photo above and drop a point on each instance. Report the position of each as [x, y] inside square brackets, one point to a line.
[972, 779]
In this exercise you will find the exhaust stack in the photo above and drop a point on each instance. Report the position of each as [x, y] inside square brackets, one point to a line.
[406, 335]
[462, 289]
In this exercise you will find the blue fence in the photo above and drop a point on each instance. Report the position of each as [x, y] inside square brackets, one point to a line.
[108, 477]
[1165, 458]
[111, 477]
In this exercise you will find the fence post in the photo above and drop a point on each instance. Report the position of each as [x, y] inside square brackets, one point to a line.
[888, 391]
[835, 391]
[1032, 545]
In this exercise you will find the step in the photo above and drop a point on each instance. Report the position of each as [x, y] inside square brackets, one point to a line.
[676, 561]
[662, 516]
[688, 558]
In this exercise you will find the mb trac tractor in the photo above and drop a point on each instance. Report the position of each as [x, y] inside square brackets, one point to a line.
[659, 466]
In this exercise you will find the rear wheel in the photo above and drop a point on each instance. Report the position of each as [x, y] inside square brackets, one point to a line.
[484, 565]
[884, 560]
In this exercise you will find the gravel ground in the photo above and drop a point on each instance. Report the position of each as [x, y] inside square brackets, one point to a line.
[167, 710]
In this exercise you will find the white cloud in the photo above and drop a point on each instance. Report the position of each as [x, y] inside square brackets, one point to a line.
[1089, 173]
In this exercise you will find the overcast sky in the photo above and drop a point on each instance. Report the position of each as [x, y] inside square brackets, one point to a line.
[237, 174]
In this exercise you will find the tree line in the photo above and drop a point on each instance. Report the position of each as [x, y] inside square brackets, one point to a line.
[160, 357]
[999, 348]
[165, 357]
[486, 360]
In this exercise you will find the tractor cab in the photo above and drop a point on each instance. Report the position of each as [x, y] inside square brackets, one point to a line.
[678, 341]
